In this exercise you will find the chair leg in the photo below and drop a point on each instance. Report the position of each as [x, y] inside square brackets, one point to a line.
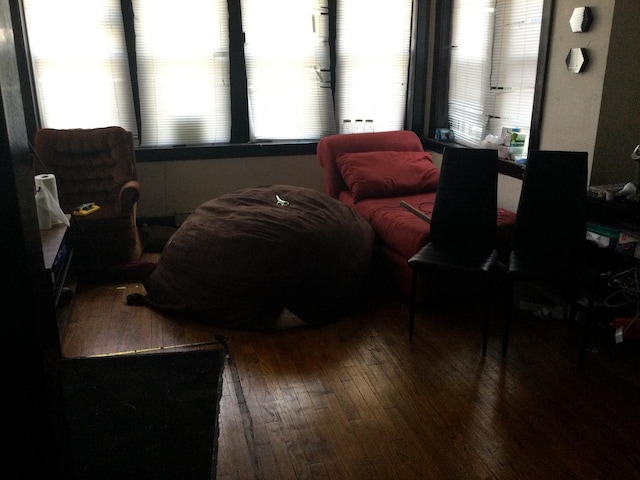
[508, 313]
[412, 302]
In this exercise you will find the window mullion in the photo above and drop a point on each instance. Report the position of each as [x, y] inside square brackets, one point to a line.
[238, 75]
[130, 42]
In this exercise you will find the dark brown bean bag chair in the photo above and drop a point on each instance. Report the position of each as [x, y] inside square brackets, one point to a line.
[244, 258]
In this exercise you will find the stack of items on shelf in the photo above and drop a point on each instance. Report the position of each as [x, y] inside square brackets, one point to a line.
[622, 236]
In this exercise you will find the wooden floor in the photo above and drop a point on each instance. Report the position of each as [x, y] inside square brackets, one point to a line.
[355, 399]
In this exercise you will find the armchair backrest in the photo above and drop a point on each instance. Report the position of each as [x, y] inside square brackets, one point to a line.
[331, 146]
[90, 165]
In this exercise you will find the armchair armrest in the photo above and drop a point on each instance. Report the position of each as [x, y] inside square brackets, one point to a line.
[128, 196]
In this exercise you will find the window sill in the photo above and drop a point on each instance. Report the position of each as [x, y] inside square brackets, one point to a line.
[505, 167]
[210, 152]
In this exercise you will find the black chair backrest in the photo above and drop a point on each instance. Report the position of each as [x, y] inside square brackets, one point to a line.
[465, 210]
[551, 216]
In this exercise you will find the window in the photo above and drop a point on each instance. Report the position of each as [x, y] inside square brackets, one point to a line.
[373, 38]
[223, 74]
[494, 60]
[288, 69]
[172, 78]
[80, 67]
[182, 57]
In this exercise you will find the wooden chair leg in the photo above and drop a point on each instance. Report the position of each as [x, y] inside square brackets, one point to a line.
[412, 302]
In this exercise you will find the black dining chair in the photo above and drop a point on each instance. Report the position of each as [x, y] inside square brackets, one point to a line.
[463, 226]
[550, 248]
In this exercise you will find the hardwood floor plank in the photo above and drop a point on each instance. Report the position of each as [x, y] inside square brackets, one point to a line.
[355, 399]
[239, 463]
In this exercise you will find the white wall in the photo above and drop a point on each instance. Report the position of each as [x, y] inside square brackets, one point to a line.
[572, 101]
[619, 122]
[596, 111]
[177, 188]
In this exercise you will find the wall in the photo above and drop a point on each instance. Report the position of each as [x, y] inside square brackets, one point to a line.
[593, 112]
[596, 111]
[619, 123]
[177, 188]
[572, 101]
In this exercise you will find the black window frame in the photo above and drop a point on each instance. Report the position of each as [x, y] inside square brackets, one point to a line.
[438, 114]
[423, 123]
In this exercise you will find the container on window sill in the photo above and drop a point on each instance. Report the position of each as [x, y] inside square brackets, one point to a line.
[368, 126]
[445, 135]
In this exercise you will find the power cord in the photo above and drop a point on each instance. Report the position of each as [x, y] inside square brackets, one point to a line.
[626, 284]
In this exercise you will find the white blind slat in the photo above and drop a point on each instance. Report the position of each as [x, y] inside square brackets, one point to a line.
[287, 61]
[373, 49]
[182, 58]
[80, 83]
[183, 71]
[494, 66]
[469, 73]
[514, 64]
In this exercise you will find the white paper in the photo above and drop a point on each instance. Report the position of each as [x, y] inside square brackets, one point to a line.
[47, 201]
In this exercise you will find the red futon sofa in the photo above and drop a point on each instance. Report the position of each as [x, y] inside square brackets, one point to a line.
[373, 173]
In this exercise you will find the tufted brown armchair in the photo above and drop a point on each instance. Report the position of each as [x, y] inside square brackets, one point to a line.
[95, 165]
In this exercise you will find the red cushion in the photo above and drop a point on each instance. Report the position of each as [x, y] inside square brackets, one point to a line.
[397, 228]
[387, 173]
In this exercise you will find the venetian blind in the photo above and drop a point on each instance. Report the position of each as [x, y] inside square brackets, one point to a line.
[493, 66]
[183, 71]
[287, 62]
[80, 63]
[373, 48]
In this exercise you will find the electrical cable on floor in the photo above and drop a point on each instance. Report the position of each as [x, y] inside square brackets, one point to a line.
[626, 284]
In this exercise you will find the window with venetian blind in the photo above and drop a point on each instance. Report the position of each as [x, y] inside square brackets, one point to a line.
[81, 64]
[372, 45]
[494, 57]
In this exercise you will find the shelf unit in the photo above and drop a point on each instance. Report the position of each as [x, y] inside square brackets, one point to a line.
[57, 252]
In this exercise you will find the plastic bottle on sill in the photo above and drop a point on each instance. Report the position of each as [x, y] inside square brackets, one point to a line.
[368, 126]
[359, 126]
[346, 127]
